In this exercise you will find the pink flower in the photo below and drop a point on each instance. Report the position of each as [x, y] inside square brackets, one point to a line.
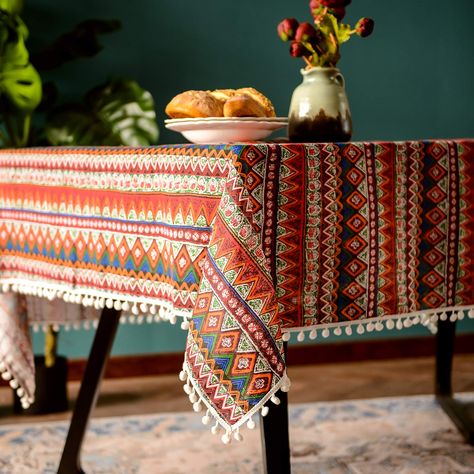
[287, 29]
[364, 27]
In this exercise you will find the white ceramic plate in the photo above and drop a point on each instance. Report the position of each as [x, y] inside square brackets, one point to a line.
[214, 130]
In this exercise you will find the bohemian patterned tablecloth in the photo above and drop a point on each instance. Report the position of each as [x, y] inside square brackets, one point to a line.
[247, 243]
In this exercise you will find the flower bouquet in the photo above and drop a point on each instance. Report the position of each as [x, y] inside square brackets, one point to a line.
[320, 45]
[319, 109]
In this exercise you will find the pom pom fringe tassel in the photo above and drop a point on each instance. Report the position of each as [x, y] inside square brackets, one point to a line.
[136, 310]
[428, 318]
[219, 426]
[139, 311]
[7, 374]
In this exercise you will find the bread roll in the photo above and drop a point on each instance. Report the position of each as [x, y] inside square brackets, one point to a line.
[222, 94]
[194, 104]
[245, 102]
[242, 105]
[260, 98]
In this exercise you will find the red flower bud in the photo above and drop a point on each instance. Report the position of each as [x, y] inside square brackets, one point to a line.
[336, 7]
[287, 29]
[314, 6]
[318, 43]
[305, 32]
[297, 49]
[335, 3]
[364, 27]
[339, 12]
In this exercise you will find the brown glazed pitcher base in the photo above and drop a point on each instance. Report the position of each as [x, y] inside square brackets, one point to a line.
[320, 129]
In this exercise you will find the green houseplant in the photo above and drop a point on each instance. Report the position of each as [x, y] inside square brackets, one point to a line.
[20, 83]
[118, 112]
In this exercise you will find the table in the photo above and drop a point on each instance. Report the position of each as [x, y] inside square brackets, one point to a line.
[248, 244]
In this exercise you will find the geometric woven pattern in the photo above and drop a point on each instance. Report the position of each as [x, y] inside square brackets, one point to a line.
[76, 219]
[247, 240]
[387, 228]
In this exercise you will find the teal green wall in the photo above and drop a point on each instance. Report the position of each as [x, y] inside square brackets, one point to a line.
[411, 79]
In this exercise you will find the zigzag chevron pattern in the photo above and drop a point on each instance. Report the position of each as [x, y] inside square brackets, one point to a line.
[392, 256]
[290, 238]
[330, 242]
[212, 380]
[384, 156]
[465, 288]
[250, 240]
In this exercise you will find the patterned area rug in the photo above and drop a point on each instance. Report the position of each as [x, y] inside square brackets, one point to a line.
[408, 435]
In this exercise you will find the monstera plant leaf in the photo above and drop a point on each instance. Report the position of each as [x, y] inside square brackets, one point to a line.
[19, 80]
[119, 112]
[11, 6]
[20, 83]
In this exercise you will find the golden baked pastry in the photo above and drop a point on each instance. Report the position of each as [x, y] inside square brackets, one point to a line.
[243, 105]
[264, 101]
[194, 104]
[245, 102]
[222, 94]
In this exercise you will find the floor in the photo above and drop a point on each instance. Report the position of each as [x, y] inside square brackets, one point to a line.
[341, 381]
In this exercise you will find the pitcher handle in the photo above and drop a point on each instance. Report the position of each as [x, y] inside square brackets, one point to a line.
[339, 78]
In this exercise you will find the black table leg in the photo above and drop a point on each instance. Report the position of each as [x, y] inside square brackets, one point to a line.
[462, 414]
[276, 437]
[86, 400]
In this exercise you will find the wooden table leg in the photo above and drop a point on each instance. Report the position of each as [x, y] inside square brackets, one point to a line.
[462, 414]
[86, 400]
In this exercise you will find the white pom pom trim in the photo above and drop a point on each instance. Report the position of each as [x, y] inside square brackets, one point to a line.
[7, 369]
[199, 403]
[428, 318]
